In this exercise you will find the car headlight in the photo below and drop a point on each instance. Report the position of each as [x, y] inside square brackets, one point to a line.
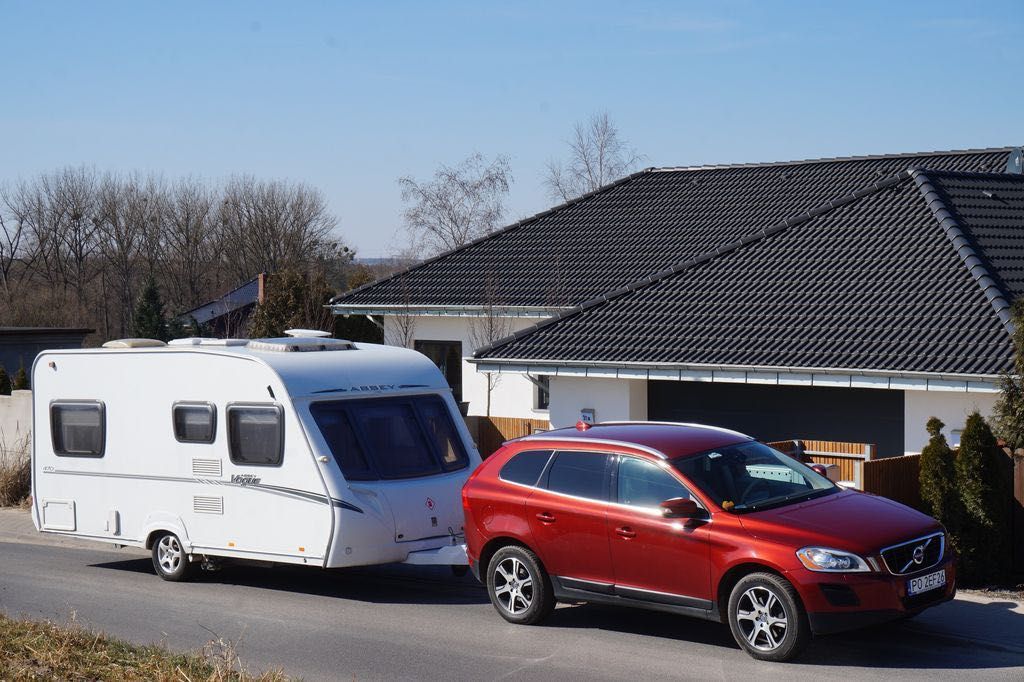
[827, 560]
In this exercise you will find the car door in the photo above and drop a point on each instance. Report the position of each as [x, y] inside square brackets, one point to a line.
[568, 519]
[656, 558]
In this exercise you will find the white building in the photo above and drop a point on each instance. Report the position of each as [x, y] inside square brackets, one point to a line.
[838, 299]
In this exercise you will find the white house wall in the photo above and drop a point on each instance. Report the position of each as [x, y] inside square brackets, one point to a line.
[512, 395]
[611, 399]
[952, 408]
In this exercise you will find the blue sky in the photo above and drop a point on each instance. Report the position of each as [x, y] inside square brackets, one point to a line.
[349, 96]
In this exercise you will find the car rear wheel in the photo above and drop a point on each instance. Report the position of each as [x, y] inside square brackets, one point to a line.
[767, 619]
[170, 559]
[519, 587]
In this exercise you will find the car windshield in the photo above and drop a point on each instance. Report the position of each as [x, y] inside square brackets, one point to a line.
[751, 476]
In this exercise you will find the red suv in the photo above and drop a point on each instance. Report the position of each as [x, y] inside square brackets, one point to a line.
[699, 521]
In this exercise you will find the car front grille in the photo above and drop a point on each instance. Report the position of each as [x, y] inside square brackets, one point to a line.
[915, 555]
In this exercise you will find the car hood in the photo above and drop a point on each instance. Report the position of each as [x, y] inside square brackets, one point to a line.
[849, 520]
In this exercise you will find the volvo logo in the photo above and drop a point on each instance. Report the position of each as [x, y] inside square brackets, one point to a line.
[919, 554]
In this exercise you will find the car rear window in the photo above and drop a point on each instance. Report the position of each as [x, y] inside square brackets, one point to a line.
[391, 438]
[525, 467]
[582, 474]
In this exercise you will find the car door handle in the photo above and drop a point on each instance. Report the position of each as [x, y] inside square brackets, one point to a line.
[546, 517]
[625, 532]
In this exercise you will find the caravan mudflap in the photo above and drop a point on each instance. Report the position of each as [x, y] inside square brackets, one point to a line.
[450, 555]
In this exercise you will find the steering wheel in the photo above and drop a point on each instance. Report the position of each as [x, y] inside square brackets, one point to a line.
[753, 486]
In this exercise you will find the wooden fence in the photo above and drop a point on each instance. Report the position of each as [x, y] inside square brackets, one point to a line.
[897, 478]
[1018, 511]
[848, 457]
[490, 432]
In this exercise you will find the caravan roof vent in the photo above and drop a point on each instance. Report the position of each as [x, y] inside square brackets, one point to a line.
[207, 341]
[300, 345]
[134, 343]
[312, 333]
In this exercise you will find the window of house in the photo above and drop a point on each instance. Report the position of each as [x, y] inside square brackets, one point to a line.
[256, 434]
[542, 393]
[644, 484]
[194, 422]
[78, 428]
[447, 355]
[526, 467]
[582, 474]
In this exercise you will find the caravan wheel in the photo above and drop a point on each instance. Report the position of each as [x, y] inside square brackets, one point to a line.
[169, 558]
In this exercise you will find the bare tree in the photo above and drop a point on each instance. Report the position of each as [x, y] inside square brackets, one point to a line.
[190, 241]
[597, 155]
[461, 203]
[489, 327]
[402, 330]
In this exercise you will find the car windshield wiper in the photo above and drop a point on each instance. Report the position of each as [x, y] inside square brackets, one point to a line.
[778, 502]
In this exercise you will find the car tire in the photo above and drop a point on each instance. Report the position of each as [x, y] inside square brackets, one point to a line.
[170, 561]
[519, 587]
[767, 619]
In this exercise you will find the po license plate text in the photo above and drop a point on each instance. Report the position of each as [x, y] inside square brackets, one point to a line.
[926, 582]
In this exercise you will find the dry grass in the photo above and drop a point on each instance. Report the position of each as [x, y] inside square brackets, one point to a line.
[15, 472]
[31, 650]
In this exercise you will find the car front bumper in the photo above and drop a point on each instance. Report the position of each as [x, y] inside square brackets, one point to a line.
[845, 601]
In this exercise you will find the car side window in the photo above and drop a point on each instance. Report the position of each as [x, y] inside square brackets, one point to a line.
[581, 474]
[525, 467]
[640, 483]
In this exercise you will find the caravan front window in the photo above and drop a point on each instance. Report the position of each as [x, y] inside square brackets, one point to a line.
[390, 438]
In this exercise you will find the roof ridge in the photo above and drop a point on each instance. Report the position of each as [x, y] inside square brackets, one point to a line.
[496, 233]
[764, 233]
[832, 159]
[961, 243]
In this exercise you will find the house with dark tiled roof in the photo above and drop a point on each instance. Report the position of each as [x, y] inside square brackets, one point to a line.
[836, 299]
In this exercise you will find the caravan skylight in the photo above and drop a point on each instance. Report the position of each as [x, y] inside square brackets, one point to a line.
[300, 345]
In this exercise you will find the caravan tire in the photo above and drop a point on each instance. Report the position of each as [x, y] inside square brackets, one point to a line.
[170, 559]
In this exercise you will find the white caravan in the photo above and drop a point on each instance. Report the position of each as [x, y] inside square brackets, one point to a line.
[295, 450]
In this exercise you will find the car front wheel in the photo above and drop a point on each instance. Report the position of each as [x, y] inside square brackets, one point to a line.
[767, 619]
[519, 587]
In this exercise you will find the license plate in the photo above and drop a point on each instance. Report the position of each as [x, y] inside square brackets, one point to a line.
[925, 583]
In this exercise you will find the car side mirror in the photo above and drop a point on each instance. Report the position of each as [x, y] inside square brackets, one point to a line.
[820, 469]
[680, 508]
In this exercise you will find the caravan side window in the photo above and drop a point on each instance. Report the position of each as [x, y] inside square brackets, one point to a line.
[256, 434]
[78, 428]
[194, 422]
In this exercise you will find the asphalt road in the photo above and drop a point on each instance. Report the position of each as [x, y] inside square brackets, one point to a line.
[413, 622]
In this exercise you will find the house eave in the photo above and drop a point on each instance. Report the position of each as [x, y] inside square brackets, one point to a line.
[749, 374]
[534, 312]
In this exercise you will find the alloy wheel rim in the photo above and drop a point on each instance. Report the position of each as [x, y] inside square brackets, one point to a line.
[513, 585]
[762, 618]
[168, 553]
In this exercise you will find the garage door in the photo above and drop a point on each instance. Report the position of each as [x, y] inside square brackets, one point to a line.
[859, 415]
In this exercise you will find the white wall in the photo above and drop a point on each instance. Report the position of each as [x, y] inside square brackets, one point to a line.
[951, 408]
[611, 399]
[511, 396]
[15, 424]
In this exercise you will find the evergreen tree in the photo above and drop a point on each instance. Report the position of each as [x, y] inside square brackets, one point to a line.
[1009, 409]
[20, 382]
[149, 321]
[293, 299]
[938, 472]
[982, 483]
[5, 381]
